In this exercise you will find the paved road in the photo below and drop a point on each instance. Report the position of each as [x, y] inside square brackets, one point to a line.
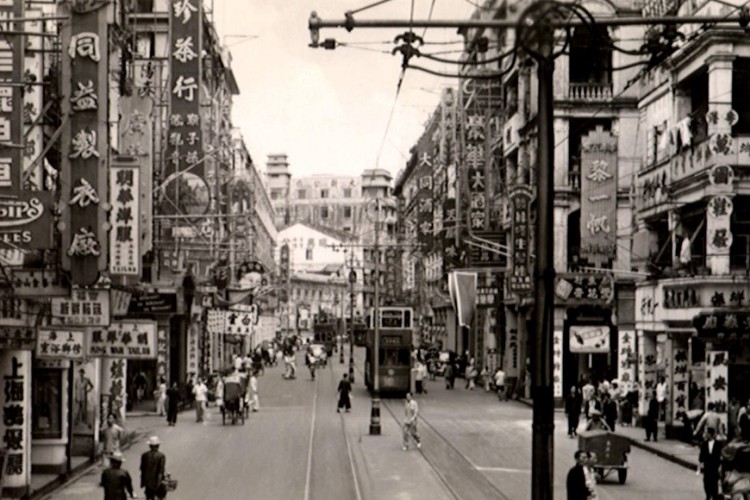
[269, 457]
[495, 439]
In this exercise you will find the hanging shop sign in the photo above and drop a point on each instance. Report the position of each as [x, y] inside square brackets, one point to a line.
[451, 251]
[136, 131]
[598, 195]
[34, 172]
[557, 364]
[680, 380]
[25, 220]
[721, 324]
[484, 256]
[626, 356]
[60, 343]
[38, 282]
[16, 422]
[125, 217]
[152, 303]
[82, 308]
[241, 319]
[124, 339]
[186, 191]
[21, 338]
[425, 209]
[162, 352]
[119, 300]
[584, 288]
[519, 280]
[250, 274]
[717, 382]
[589, 339]
[84, 144]
[12, 48]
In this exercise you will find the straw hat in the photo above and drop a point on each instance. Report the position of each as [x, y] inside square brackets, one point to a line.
[117, 456]
[154, 441]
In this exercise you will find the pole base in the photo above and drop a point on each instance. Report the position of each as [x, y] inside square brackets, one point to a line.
[375, 417]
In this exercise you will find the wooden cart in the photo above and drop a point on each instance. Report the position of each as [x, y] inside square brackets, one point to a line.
[610, 452]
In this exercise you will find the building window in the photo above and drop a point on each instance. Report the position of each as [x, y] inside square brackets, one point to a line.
[347, 229]
[275, 194]
[301, 194]
[324, 212]
[309, 254]
[347, 192]
[324, 193]
[46, 404]
[347, 212]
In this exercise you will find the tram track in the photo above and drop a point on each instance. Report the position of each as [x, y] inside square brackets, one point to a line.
[347, 442]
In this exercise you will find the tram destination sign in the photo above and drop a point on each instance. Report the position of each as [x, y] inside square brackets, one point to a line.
[392, 318]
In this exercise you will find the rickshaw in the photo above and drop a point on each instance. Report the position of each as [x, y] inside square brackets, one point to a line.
[610, 452]
[234, 399]
[735, 466]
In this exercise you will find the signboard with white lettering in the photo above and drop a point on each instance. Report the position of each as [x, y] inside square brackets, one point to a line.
[82, 308]
[12, 47]
[124, 339]
[60, 343]
[598, 195]
[19, 338]
[125, 219]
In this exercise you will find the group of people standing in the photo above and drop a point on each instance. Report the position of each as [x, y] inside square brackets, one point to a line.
[612, 402]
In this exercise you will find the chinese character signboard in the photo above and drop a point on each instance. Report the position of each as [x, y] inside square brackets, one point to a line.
[241, 319]
[520, 267]
[598, 195]
[184, 141]
[584, 288]
[37, 282]
[20, 338]
[82, 308]
[33, 103]
[124, 339]
[626, 356]
[11, 113]
[589, 339]
[557, 363]
[680, 379]
[425, 223]
[484, 256]
[451, 251]
[717, 382]
[60, 343]
[16, 421]
[124, 235]
[135, 140]
[84, 144]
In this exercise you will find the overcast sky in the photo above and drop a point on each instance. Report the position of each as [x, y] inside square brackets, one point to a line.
[328, 110]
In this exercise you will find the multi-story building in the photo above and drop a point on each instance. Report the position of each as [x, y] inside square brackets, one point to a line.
[692, 231]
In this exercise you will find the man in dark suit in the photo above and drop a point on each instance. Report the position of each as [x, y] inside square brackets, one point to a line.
[651, 423]
[576, 482]
[710, 461]
[153, 464]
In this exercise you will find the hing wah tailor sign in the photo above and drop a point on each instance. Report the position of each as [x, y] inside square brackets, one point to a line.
[84, 144]
[598, 195]
[124, 339]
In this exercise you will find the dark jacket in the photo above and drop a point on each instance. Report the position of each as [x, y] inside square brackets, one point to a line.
[153, 464]
[117, 484]
[576, 484]
[711, 461]
[573, 404]
[609, 411]
[653, 409]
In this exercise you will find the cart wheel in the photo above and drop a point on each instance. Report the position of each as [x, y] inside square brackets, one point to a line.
[622, 475]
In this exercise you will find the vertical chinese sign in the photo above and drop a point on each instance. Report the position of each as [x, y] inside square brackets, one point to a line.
[84, 144]
[124, 235]
[11, 115]
[15, 424]
[450, 229]
[598, 196]
[717, 382]
[475, 156]
[184, 140]
[33, 102]
[424, 199]
[520, 281]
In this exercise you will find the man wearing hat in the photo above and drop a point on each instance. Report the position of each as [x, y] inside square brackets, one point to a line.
[153, 463]
[596, 422]
[116, 481]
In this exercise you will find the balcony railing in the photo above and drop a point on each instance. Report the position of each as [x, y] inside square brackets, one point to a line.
[590, 91]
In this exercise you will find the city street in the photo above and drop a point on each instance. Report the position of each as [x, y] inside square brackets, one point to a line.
[297, 447]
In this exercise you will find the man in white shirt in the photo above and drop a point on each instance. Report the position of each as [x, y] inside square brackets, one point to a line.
[661, 397]
[411, 411]
[201, 397]
[500, 384]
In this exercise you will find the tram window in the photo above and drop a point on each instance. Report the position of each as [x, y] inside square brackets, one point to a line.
[404, 357]
[395, 357]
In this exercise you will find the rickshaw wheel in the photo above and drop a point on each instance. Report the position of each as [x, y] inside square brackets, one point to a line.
[622, 475]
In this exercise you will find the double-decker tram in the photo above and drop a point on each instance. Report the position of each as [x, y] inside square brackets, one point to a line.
[394, 354]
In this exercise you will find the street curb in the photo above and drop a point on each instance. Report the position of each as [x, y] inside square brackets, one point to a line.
[80, 471]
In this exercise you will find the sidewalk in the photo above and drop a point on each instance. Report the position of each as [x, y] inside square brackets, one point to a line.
[673, 450]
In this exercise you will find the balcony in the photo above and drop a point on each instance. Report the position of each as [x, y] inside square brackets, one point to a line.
[598, 92]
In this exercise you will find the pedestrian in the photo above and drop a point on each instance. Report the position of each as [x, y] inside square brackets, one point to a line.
[419, 377]
[153, 464]
[710, 461]
[411, 411]
[573, 410]
[662, 391]
[116, 481]
[173, 402]
[587, 392]
[652, 417]
[609, 411]
[471, 375]
[140, 386]
[500, 384]
[344, 389]
[161, 397]
[201, 398]
[110, 439]
[82, 387]
[253, 387]
[596, 422]
[590, 474]
[450, 375]
[710, 420]
[576, 482]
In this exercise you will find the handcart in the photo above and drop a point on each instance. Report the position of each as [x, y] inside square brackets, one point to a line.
[610, 452]
[735, 466]
[234, 400]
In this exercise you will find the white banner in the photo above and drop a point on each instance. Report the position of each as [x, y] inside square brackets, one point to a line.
[589, 339]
